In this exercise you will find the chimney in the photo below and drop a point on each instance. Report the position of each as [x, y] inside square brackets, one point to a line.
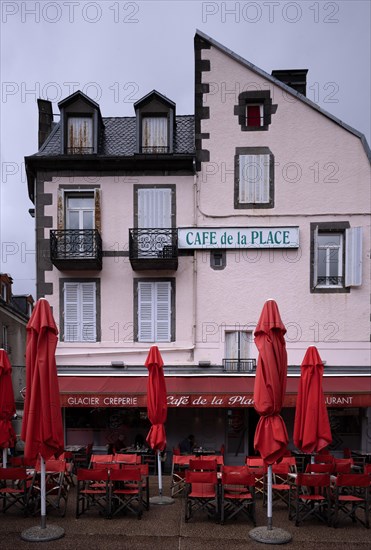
[295, 78]
[45, 119]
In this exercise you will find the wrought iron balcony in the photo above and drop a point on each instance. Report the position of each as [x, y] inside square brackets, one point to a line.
[153, 248]
[76, 249]
[332, 280]
[239, 365]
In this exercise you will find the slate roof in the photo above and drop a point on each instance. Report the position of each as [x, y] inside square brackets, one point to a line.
[119, 137]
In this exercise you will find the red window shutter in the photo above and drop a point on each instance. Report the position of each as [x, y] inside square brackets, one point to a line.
[253, 115]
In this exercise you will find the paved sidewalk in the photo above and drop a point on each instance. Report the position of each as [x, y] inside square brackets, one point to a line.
[163, 527]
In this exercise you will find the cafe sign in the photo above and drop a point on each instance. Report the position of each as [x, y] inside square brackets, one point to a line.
[238, 237]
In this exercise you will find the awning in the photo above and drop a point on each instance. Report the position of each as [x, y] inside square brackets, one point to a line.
[201, 391]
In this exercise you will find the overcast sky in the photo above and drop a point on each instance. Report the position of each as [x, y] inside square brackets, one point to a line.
[116, 52]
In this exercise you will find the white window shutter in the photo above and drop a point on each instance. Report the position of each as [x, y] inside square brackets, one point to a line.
[88, 312]
[315, 256]
[145, 312]
[71, 312]
[254, 173]
[163, 312]
[353, 256]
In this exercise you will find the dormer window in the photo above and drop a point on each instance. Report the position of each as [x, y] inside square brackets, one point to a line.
[81, 124]
[155, 134]
[254, 115]
[155, 124]
[80, 135]
[254, 110]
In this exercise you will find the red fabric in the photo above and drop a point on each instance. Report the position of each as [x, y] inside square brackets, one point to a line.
[7, 405]
[42, 428]
[156, 400]
[253, 115]
[312, 430]
[271, 437]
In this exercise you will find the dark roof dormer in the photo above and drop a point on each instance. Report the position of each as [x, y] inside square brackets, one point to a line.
[81, 125]
[155, 124]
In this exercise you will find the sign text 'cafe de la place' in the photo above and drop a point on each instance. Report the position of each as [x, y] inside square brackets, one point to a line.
[238, 237]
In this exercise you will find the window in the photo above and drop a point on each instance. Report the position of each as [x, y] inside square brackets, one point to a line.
[154, 307]
[80, 135]
[4, 338]
[237, 351]
[336, 257]
[254, 110]
[254, 177]
[254, 115]
[80, 311]
[4, 293]
[154, 134]
[218, 259]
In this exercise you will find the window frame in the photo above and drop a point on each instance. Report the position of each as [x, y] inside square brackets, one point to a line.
[327, 228]
[92, 148]
[242, 151]
[62, 283]
[172, 312]
[155, 151]
[255, 97]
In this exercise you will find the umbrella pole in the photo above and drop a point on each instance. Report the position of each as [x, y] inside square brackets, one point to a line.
[42, 493]
[159, 470]
[269, 497]
[5, 454]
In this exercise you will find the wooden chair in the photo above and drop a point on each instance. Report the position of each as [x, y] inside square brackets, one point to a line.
[180, 464]
[258, 468]
[125, 491]
[280, 483]
[14, 488]
[201, 493]
[237, 494]
[352, 494]
[92, 491]
[310, 497]
[57, 487]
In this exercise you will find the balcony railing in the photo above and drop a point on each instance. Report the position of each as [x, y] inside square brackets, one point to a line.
[153, 248]
[239, 365]
[80, 150]
[153, 150]
[76, 248]
[330, 281]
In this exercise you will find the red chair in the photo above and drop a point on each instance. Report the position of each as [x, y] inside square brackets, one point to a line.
[324, 459]
[258, 468]
[14, 490]
[100, 459]
[203, 465]
[291, 461]
[125, 491]
[237, 494]
[351, 494]
[201, 493]
[57, 486]
[92, 490]
[311, 498]
[280, 483]
[179, 467]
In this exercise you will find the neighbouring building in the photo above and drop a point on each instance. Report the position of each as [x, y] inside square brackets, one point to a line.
[174, 229]
[15, 311]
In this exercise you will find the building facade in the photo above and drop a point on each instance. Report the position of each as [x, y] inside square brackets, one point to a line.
[174, 229]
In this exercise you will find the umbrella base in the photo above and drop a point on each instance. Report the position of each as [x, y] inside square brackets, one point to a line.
[275, 535]
[38, 534]
[161, 500]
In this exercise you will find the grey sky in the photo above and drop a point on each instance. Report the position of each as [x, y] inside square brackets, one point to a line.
[116, 52]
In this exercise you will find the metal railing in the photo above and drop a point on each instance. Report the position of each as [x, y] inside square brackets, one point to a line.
[71, 244]
[80, 150]
[330, 281]
[239, 365]
[154, 149]
[153, 243]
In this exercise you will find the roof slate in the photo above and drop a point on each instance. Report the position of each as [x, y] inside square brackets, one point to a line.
[119, 137]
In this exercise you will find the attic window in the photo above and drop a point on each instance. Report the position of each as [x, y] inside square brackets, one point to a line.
[254, 110]
[155, 134]
[80, 135]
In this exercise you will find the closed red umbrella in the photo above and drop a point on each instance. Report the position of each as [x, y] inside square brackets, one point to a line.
[157, 413]
[271, 437]
[312, 430]
[7, 406]
[42, 427]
